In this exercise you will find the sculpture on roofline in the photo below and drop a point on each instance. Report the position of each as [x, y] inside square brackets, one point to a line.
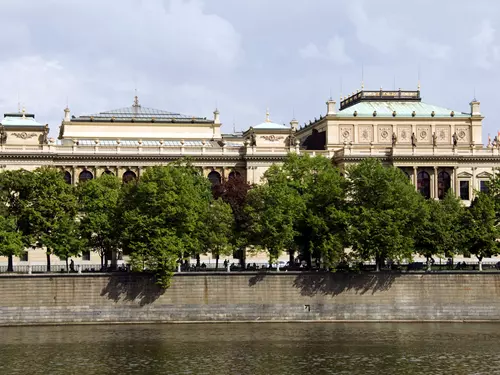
[413, 140]
[394, 139]
[434, 139]
[455, 139]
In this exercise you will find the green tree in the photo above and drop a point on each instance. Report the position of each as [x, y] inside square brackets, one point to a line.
[273, 210]
[11, 240]
[480, 229]
[99, 222]
[440, 228]
[15, 188]
[50, 205]
[218, 230]
[163, 217]
[65, 240]
[385, 212]
[322, 229]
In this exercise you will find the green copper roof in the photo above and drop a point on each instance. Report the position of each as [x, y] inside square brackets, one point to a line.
[402, 109]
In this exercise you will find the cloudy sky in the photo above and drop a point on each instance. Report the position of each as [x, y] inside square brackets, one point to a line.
[188, 56]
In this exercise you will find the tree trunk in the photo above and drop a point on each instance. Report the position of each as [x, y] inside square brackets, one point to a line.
[10, 266]
[67, 268]
[48, 261]
[198, 260]
[378, 263]
[243, 258]
[480, 263]
[102, 259]
[217, 262]
[291, 258]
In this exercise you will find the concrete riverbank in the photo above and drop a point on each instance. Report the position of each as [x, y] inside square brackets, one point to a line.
[225, 297]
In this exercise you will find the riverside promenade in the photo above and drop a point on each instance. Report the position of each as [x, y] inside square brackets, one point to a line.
[250, 297]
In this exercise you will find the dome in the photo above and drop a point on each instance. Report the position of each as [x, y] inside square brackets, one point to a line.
[268, 124]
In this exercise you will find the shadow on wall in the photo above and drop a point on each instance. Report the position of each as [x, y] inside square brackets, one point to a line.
[336, 283]
[133, 287]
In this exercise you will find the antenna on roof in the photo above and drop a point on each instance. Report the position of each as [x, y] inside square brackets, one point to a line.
[418, 86]
[234, 126]
[136, 100]
[362, 76]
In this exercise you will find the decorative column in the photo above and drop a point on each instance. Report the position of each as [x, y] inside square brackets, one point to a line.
[415, 174]
[436, 185]
[456, 188]
[73, 175]
[473, 187]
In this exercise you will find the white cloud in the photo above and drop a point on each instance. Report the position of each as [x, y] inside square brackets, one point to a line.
[383, 36]
[487, 53]
[334, 51]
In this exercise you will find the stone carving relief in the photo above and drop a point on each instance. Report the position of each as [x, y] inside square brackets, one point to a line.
[24, 135]
[404, 134]
[273, 138]
[423, 135]
[345, 134]
[384, 134]
[462, 134]
[365, 134]
[443, 134]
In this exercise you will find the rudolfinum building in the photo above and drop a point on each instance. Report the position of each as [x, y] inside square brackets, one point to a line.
[438, 148]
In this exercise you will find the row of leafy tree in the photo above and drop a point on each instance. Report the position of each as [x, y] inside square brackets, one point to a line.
[305, 206]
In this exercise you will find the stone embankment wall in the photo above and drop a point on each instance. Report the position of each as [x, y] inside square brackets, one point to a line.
[287, 296]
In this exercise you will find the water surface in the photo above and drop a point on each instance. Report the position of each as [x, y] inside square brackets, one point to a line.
[207, 349]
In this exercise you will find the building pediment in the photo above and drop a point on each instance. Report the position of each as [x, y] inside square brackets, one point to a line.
[484, 175]
[464, 175]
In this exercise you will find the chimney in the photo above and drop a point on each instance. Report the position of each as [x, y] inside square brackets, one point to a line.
[295, 125]
[330, 108]
[216, 117]
[475, 108]
[67, 117]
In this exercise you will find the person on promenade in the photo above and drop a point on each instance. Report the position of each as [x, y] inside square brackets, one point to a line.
[72, 266]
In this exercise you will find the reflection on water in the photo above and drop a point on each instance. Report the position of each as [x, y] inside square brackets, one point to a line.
[314, 348]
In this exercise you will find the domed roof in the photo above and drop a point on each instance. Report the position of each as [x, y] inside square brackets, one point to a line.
[268, 124]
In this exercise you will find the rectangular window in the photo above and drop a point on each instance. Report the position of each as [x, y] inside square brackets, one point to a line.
[483, 186]
[24, 257]
[86, 255]
[464, 190]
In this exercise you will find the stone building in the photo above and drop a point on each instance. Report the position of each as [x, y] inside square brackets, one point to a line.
[438, 148]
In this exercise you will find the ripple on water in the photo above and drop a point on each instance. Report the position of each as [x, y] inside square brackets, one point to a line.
[252, 349]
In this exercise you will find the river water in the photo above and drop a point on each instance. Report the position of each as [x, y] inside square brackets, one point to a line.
[235, 349]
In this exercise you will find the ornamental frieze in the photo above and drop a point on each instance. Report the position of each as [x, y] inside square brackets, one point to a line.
[24, 135]
[346, 134]
[443, 134]
[365, 134]
[404, 134]
[462, 134]
[423, 134]
[272, 138]
[384, 134]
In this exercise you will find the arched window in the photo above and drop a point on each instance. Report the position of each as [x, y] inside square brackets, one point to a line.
[444, 184]
[214, 178]
[234, 174]
[424, 184]
[67, 177]
[107, 171]
[85, 176]
[129, 176]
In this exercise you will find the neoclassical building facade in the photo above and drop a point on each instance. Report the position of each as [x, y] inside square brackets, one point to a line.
[438, 148]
